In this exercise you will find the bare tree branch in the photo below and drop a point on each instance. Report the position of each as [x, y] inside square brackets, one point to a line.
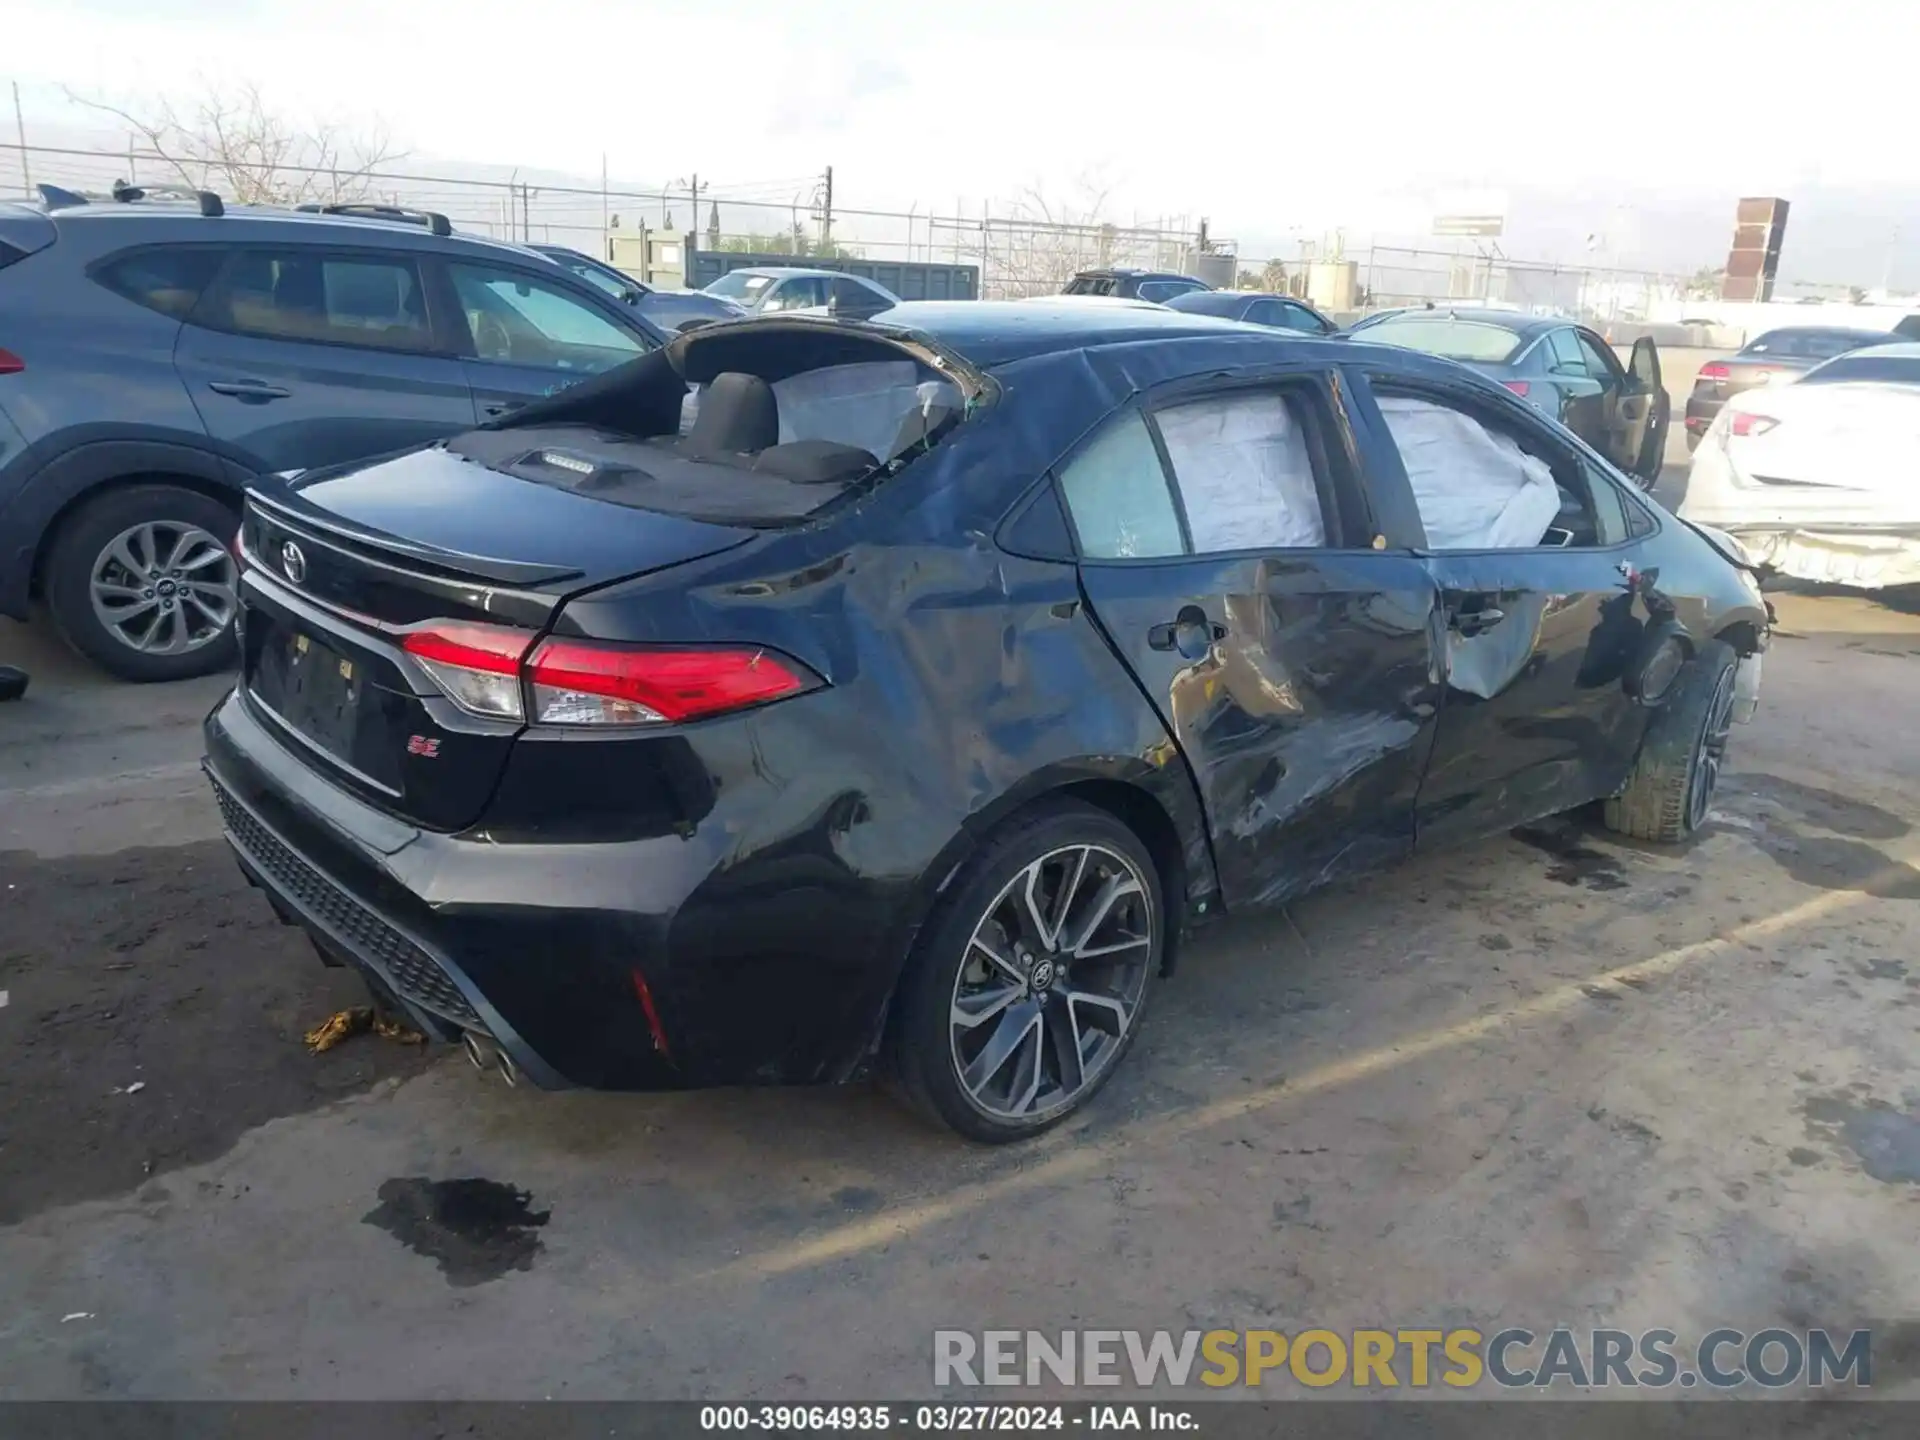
[232, 142]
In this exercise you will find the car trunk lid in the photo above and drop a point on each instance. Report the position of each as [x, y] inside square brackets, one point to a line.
[340, 569]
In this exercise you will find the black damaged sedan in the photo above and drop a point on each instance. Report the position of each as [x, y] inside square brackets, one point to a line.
[816, 697]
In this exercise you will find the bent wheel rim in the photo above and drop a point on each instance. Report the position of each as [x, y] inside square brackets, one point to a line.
[1051, 982]
[1710, 754]
[164, 588]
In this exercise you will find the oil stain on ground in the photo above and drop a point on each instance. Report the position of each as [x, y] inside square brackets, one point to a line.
[475, 1230]
[1886, 1140]
[1576, 863]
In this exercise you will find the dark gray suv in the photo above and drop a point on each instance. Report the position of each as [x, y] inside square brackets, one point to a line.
[160, 353]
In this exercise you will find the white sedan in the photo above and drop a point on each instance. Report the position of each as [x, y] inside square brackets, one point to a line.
[1820, 478]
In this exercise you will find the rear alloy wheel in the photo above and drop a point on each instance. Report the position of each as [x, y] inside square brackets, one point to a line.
[1682, 754]
[142, 582]
[1030, 985]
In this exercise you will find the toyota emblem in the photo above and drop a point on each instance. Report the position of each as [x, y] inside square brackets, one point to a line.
[293, 562]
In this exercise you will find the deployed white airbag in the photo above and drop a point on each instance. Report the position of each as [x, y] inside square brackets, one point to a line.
[1244, 473]
[1476, 489]
[862, 405]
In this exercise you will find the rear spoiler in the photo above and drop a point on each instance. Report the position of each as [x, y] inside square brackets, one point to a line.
[323, 528]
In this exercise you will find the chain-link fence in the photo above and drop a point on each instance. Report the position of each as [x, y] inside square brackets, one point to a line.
[1391, 276]
[1018, 255]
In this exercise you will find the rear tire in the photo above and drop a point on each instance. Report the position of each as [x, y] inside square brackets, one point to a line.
[1011, 1015]
[143, 556]
[1681, 755]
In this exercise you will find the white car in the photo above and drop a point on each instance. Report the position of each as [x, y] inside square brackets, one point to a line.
[1820, 478]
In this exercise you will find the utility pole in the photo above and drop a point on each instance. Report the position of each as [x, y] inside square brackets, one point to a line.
[826, 216]
[20, 129]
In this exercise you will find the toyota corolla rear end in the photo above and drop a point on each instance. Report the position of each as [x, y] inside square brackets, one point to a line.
[485, 750]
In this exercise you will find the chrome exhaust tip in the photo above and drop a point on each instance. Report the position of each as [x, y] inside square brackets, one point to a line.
[475, 1050]
[509, 1071]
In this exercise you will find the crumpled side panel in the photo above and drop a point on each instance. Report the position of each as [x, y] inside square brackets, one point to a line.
[1477, 490]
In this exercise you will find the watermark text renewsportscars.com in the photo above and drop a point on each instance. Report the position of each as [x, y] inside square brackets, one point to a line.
[1405, 1359]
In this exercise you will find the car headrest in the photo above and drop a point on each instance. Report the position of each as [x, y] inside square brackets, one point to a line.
[815, 462]
[737, 415]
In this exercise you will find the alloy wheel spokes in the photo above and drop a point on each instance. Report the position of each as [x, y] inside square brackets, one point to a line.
[164, 588]
[1053, 974]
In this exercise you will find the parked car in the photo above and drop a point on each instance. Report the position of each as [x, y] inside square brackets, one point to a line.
[1130, 284]
[1278, 312]
[1773, 358]
[1559, 367]
[165, 351]
[1820, 479]
[670, 311]
[768, 288]
[834, 734]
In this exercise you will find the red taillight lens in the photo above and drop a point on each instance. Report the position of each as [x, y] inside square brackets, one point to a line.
[1715, 370]
[1746, 423]
[10, 363]
[477, 665]
[580, 682]
[1518, 387]
[577, 683]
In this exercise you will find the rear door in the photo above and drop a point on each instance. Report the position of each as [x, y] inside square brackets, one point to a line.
[1226, 555]
[1628, 409]
[1526, 537]
[304, 356]
[526, 335]
[1582, 406]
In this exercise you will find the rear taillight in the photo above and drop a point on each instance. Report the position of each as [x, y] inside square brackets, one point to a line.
[477, 665]
[1715, 370]
[577, 683]
[1746, 423]
[1518, 387]
[486, 670]
[10, 363]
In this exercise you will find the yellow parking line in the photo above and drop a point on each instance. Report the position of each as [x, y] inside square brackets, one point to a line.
[1071, 1160]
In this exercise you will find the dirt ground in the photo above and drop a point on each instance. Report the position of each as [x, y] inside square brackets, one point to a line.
[1550, 1078]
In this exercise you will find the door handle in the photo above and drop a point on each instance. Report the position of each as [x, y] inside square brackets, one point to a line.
[1475, 622]
[504, 407]
[248, 389]
[1190, 632]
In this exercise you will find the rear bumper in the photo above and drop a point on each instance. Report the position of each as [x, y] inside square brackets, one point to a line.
[1700, 413]
[1868, 559]
[756, 971]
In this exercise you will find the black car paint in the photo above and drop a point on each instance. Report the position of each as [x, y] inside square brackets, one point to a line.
[766, 872]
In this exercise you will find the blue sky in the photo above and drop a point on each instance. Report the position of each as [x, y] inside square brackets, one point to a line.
[1633, 123]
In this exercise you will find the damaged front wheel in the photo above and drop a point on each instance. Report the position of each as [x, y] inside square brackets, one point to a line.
[1671, 791]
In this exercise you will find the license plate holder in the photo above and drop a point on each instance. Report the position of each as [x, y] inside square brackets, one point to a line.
[313, 688]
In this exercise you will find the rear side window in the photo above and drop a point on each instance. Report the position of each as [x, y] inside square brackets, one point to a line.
[1242, 469]
[169, 281]
[519, 320]
[1298, 317]
[9, 254]
[371, 301]
[1116, 491]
